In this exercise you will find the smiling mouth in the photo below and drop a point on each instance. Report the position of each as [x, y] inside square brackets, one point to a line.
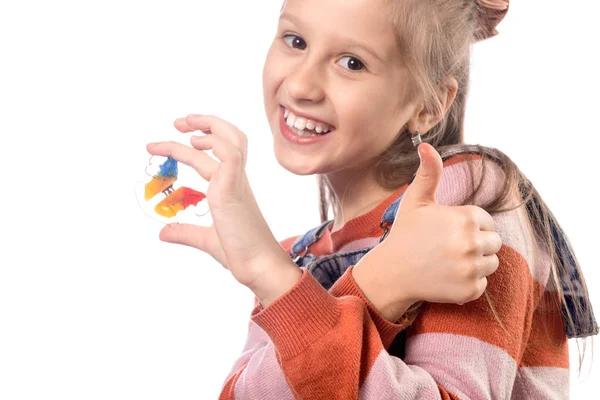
[304, 126]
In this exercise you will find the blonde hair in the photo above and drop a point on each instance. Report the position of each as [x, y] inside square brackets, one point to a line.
[435, 38]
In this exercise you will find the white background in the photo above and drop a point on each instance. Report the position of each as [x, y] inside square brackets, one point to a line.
[92, 304]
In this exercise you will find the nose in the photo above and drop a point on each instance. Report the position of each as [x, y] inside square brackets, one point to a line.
[305, 82]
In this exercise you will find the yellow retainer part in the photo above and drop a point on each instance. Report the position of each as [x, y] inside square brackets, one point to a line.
[158, 184]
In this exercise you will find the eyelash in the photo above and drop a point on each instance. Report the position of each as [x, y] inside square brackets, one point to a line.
[364, 65]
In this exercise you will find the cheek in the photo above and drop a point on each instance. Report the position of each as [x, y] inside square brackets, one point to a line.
[362, 117]
[363, 103]
[266, 77]
[369, 125]
[271, 72]
[269, 85]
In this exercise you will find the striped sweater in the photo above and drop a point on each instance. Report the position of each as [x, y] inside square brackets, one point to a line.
[313, 343]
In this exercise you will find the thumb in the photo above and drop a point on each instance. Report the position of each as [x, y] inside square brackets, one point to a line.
[422, 190]
[200, 237]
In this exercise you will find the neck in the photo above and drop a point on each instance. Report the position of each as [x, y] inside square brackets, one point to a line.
[356, 193]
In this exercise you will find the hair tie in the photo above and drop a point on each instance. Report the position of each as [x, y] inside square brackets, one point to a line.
[492, 12]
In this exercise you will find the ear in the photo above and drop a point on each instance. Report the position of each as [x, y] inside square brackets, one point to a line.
[423, 119]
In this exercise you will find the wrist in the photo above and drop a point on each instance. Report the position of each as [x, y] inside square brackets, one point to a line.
[282, 276]
[391, 302]
[394, 312]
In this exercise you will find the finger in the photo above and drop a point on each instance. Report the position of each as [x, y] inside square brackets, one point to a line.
[489, 265]
[185, 234]
[182, 126]
[483, 219]
[482, 285]
[491, 242]
[198, 160]
[203, 143]
[219, 127]
[221, 148]
[232, 158]
[478, 290]
[200, 237]
[422, 190]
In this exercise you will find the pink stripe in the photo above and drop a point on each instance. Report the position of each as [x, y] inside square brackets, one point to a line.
[460, 180]
[255, 339]
[359, 244]
[465, 366]
[516, 233]
[541, 383]
[262, 377]
[390, 378]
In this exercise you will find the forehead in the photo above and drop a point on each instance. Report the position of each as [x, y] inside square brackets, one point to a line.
[364, 21]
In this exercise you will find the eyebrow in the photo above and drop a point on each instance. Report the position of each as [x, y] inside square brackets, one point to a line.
[351, 42]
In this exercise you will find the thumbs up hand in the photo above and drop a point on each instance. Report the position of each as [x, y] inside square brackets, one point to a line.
[433, 252]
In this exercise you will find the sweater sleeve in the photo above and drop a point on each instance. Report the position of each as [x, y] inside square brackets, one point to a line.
[257, 372]
[326, 347]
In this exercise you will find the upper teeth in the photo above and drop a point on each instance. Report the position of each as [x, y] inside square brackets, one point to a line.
[302, 123]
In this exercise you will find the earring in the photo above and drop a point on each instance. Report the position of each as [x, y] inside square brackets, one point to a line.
[416, 139]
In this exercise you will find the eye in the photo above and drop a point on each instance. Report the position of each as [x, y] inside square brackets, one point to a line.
[355, 64]
[297, 40]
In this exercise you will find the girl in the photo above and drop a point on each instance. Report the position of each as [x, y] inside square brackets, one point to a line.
[384, 300]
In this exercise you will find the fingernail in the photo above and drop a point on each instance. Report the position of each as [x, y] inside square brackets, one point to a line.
[197, 137]
[180, 120]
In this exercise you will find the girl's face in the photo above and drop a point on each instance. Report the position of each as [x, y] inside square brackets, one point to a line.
[335, 61]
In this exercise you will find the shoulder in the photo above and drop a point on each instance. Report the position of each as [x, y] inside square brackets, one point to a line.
[471, 177]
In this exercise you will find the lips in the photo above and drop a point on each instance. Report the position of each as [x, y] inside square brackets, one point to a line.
[293, 137]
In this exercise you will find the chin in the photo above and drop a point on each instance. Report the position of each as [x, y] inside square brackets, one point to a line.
[297, 164]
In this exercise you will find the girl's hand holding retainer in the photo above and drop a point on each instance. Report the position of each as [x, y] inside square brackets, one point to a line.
[434, 253]
[239, 238]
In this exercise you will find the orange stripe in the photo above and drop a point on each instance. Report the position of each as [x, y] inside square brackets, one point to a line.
[548, 342]
[228, 391]
[511, 289]
[321, 248]
[461, 158]
[371, 347]
[287, 243]
[447, 395]
[341, 369]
